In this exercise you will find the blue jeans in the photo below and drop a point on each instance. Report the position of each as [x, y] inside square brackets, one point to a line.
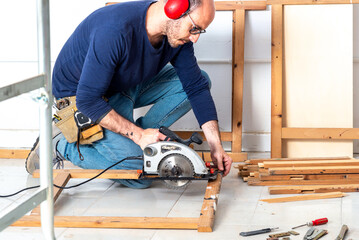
[170, 103]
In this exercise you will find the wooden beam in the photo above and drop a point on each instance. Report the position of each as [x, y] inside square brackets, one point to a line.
[277, 82]
[305, 197]
[256, 161]
[270, 164]
[240, 5]
[61, 180]
[304, 182]
[314, 189]
[89, 173]
[112, 222]
[310, 2]
[314, 170]
[263, 177]
[239, 17]
[206, 219]
[14, 153]
[236, 157]
[320, 133]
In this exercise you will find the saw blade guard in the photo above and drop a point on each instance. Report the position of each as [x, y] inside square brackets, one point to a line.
[156, 152]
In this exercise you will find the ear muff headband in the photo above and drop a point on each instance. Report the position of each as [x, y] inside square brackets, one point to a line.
[175, 9]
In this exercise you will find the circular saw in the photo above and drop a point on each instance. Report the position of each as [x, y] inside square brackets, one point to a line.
[175, 162]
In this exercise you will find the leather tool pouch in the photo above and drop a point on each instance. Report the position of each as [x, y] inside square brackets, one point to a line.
[82, 129]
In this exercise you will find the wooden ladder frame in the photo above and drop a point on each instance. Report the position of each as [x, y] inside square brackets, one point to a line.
[278, 132]
[204, 223]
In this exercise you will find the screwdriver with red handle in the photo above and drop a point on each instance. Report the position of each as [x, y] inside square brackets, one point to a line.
[315, 222]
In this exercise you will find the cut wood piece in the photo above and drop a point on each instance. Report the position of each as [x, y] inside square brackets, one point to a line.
[112, 222]
[314, 189]
[259, 160]
[269, 164]
[314, 170]
[305, 197]
[251, 168]
[206, 219]
[89, 173]
[263, 177]
[61, 180]
[304, 182]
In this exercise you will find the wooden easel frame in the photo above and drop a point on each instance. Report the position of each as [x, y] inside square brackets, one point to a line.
[204, 223]
[278, 132]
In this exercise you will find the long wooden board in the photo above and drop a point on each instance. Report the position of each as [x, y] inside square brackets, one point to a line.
[270, 164]
[305, 197]
[304, 182]
[314, 189]
[260, 160]
[314, 170]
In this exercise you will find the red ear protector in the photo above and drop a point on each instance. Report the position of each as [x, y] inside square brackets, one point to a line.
[175, 9]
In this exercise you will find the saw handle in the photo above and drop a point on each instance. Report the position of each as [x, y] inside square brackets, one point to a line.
[195, 137]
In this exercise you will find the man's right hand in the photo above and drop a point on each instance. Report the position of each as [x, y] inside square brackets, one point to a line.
[149, 136]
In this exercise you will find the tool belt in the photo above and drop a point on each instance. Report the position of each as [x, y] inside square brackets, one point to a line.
[74, 125]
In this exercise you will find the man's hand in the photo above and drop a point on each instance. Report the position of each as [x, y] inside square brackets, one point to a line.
[118, 124]
[219, 157]
[149, 136]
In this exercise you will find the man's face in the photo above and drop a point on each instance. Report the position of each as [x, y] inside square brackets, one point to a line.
[178, 31]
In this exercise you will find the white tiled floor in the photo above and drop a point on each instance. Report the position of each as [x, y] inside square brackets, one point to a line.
[239, 208]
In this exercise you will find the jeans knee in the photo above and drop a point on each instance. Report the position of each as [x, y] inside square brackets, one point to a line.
[205, 75]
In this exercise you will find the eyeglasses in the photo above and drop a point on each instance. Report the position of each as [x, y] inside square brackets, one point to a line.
[195, 30]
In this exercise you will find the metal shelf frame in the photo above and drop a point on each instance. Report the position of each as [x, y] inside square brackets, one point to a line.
[44, 195]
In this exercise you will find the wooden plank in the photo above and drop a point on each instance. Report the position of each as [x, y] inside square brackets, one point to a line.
[239, 17]
[208, 211]
[313, 189]
[320, 133]
[270, 164]
[256, 161]
[276, 76]
[310, 2]
[243, 5]
[314, 170]
[305, 197]
[89, 173]
[112, 222]
[14, 153]
[61, 179]
[263, 177]
[304, 182]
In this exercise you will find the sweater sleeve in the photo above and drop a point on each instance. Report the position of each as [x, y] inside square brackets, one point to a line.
[194, 84]
[97, 73]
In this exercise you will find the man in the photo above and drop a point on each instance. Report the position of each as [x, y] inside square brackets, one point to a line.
[120, 53]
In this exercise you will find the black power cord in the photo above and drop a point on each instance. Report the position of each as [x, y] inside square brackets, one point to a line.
[79, 184]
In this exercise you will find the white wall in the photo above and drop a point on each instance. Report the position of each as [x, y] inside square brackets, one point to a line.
[18, 60]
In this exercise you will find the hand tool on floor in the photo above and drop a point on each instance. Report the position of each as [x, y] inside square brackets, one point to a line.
[343, 232]
[175, 162]
[314, 234]
[319, 221]
[255, 232]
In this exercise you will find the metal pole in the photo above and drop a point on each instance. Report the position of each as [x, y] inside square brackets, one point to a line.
[45, 101]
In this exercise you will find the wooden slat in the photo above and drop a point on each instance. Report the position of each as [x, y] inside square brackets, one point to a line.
[270, 164]
[244, 5]
[14, 153]
[112, 222]
[61, 179]
[236, 157]
[89, 173]
[206, 219]
[313, 189]
[314, 170]
[263, 177]
[320, 133]
[305, 197]
[310, 2]
[239, 17]
[256, 161]
[304, 182]
[276, 76]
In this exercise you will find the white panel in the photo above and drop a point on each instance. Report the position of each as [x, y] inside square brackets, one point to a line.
[319, 75]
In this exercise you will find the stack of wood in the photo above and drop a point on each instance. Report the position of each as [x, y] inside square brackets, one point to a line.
[300, 171]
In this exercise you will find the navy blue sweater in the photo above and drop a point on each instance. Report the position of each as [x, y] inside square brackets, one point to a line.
[110, 52]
